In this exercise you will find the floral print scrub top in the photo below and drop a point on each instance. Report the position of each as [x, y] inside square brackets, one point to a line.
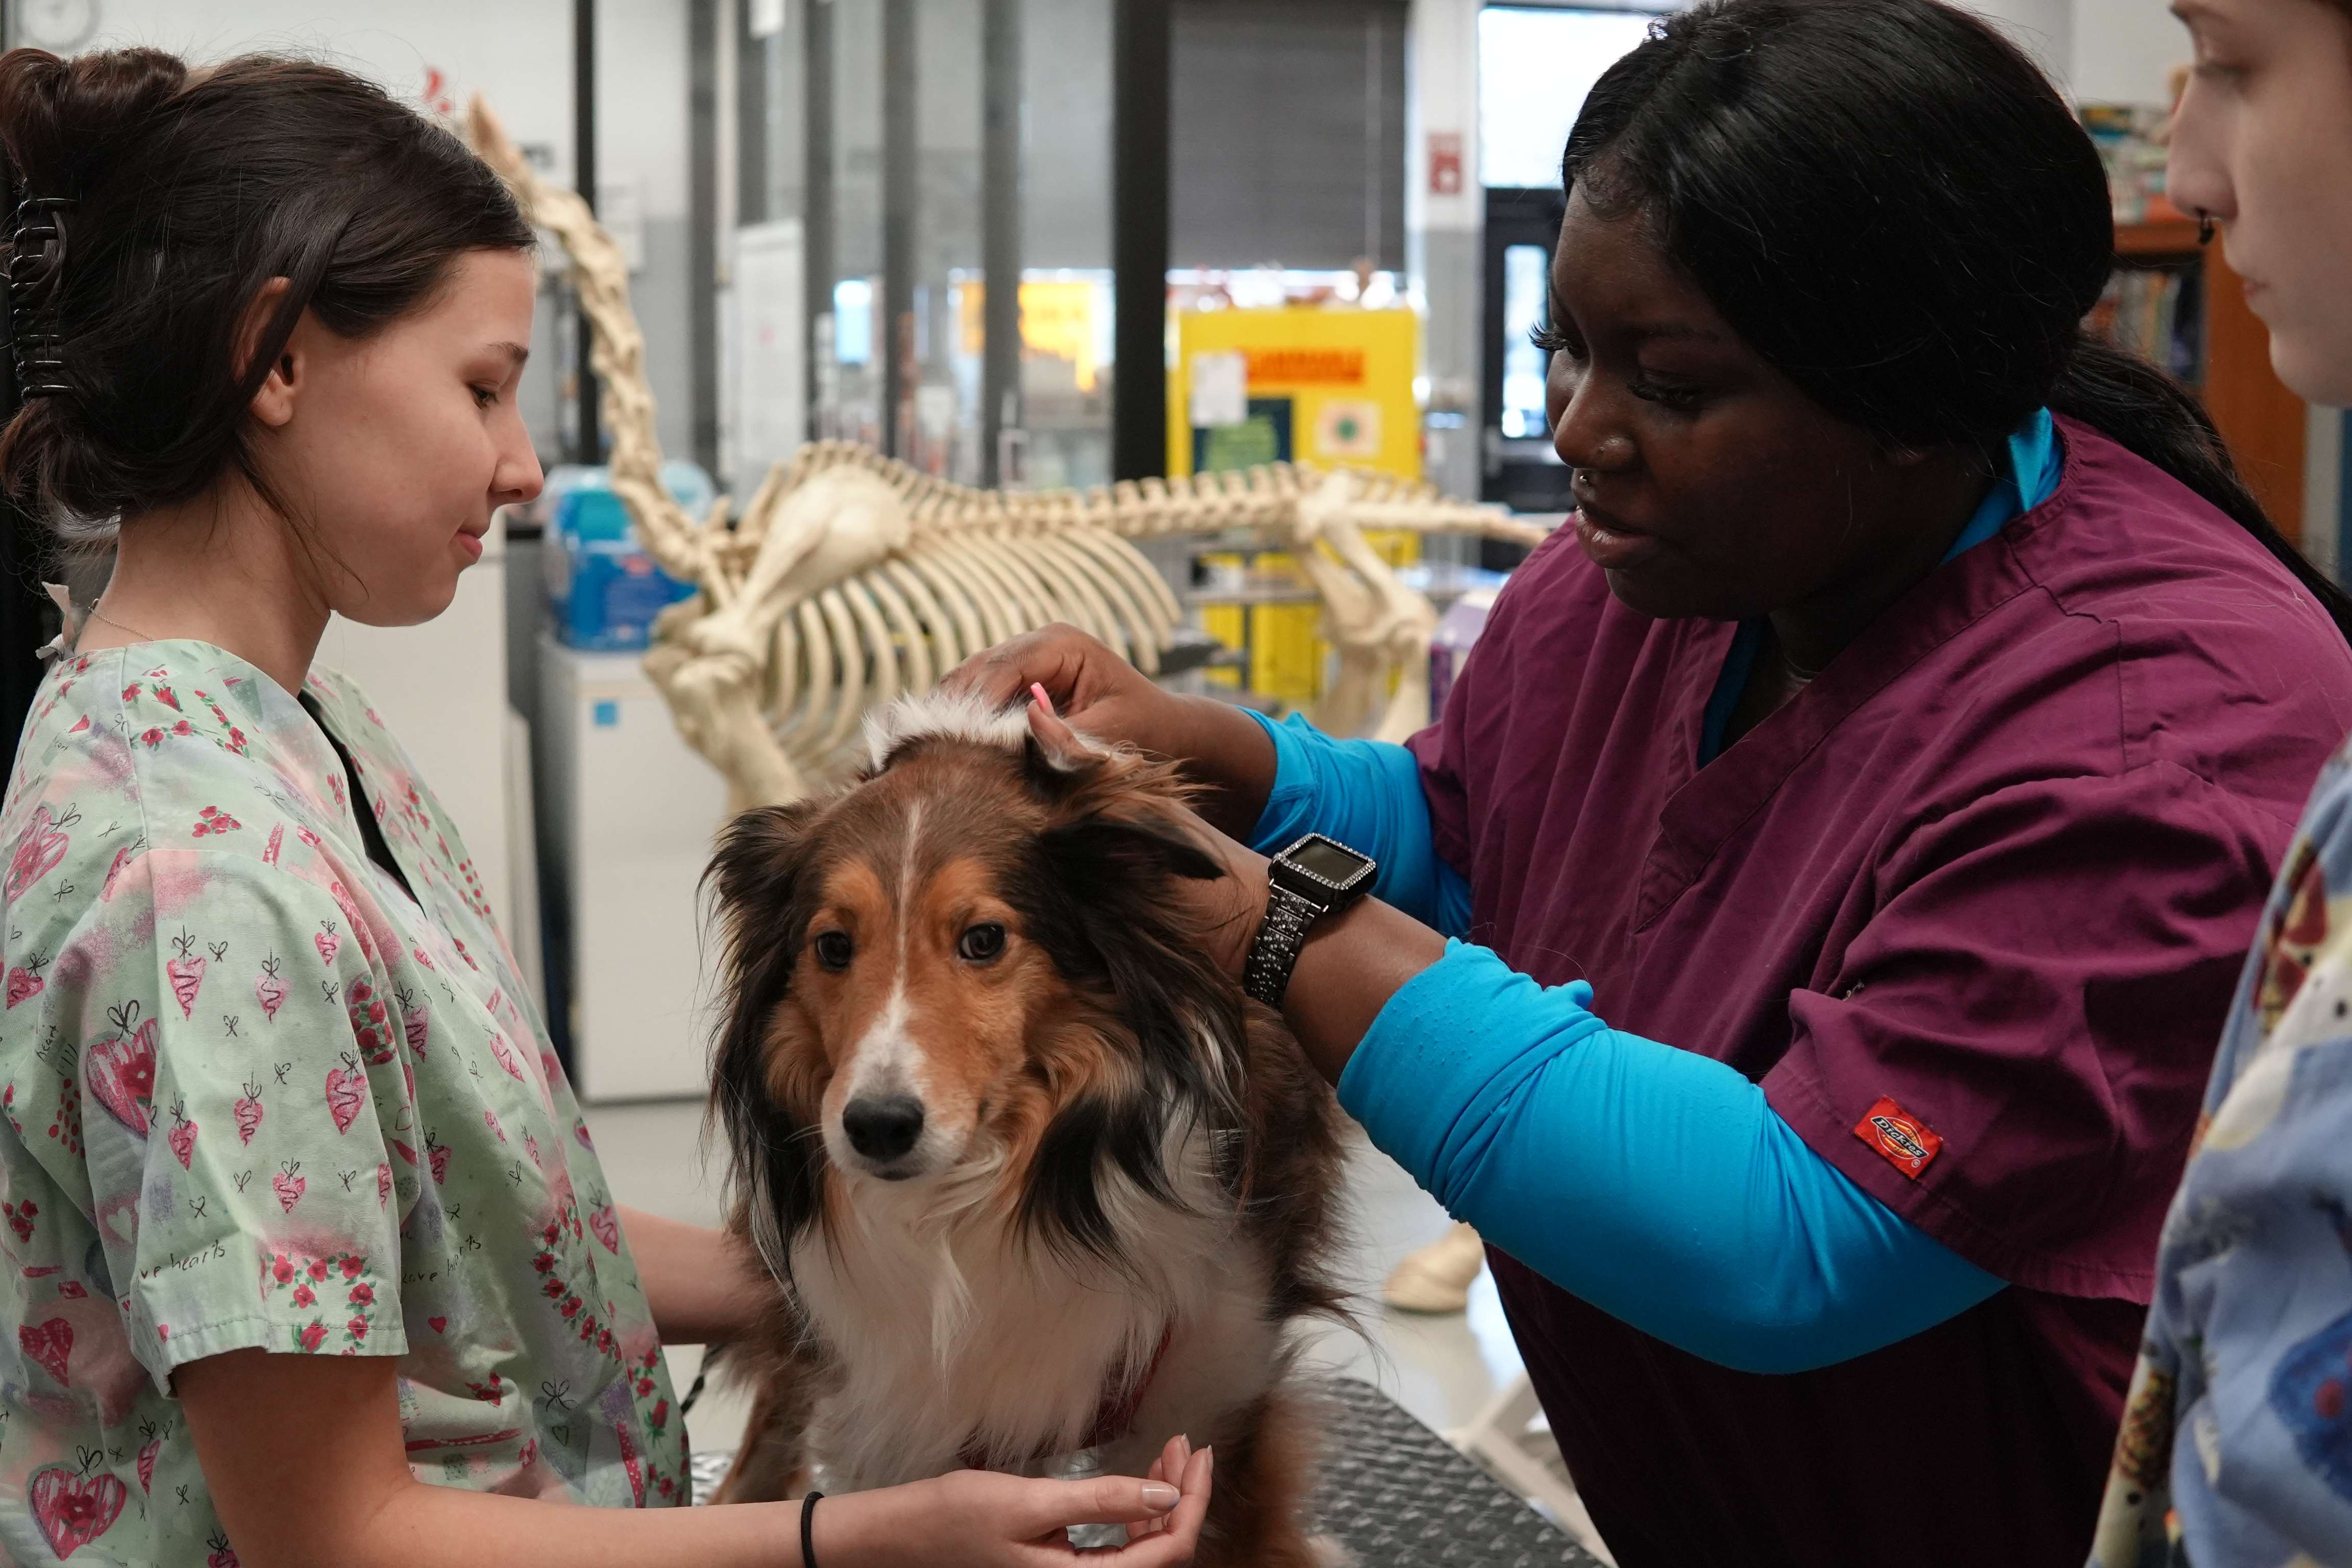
[2236, 1447]
[257, 1095]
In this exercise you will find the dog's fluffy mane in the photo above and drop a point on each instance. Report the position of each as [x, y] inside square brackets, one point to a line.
[960, 716]
[970, 718]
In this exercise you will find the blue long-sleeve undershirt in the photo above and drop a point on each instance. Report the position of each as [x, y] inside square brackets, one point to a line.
[1367, 794]
[1656, 1183]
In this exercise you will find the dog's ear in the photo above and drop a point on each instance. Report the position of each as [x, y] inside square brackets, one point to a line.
[1108, 796]
[758, 860]
[1106, 870]
[1142, 844]
[1058, 756]
[758, 882]
[1116, 826]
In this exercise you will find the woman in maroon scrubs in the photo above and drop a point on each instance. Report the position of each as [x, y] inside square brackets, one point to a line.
[1857, 820]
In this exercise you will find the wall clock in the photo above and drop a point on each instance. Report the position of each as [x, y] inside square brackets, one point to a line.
[56, 24]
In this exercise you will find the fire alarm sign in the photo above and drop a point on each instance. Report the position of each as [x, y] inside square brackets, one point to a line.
[1445, 162]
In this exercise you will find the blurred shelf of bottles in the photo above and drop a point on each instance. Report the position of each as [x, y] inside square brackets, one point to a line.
[2157, 312]
[2131, 142]
[2154, 302]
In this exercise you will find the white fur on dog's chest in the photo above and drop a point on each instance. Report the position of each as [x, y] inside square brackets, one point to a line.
[949, 1332]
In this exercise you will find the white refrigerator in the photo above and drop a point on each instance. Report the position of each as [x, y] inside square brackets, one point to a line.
[626, 817]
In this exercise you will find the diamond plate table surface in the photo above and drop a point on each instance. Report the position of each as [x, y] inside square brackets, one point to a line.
[1395, 1494]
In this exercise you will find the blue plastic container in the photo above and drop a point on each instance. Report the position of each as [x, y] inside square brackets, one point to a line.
[603, 589]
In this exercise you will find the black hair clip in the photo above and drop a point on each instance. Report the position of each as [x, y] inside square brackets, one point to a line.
[34, 252]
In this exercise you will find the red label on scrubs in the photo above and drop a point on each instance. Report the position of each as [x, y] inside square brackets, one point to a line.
[1906, 1141]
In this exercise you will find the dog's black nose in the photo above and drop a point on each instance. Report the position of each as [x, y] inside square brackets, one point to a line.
[883, 1129]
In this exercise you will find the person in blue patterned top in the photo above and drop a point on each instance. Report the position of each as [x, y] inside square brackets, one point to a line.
[2236, 1447]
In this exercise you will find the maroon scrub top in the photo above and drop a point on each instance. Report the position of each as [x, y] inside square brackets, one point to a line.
[1971, 909]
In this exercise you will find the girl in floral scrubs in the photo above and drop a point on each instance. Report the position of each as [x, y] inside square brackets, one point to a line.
[268, 1099]
[307, 1254]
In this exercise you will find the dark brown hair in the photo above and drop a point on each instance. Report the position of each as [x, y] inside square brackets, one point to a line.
[189, 191]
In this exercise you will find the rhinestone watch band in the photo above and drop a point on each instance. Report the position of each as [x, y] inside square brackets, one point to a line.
[1266, 974]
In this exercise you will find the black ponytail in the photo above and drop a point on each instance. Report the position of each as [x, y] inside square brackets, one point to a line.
[1890, 204]
[2151, 414]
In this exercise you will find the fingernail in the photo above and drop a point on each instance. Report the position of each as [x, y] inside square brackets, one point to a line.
[1159, 1495]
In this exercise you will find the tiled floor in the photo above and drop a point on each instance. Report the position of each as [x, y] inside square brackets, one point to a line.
[1441, 1369]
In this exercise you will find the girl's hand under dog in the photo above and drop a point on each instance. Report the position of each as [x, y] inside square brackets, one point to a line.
[305, 1458]
[982, 1520]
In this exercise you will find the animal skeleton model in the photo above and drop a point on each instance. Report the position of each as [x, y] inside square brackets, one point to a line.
[849, 577]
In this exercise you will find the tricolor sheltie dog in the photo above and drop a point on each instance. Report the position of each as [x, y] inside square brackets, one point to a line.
[1031, 1173]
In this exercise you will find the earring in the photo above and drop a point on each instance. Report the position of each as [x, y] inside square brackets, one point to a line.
[2204, 228]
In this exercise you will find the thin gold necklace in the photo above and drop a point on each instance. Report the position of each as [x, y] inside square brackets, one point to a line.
[118, 626]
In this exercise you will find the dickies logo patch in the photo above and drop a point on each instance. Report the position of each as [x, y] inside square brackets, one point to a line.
[1907, 1143]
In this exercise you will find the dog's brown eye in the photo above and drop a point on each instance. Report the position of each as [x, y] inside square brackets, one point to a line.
[835, 949]
[981, 943]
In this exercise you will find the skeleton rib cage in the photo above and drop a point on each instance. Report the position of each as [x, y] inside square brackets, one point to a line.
[850, 577]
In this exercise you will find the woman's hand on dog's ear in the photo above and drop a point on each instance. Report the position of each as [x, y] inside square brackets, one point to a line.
[1090, 685]
[1102, 696]
[977, 1519]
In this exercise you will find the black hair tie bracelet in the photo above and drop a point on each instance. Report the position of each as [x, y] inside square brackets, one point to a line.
[808, 1538]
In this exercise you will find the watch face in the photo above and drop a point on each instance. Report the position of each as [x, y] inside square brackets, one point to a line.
[1326, 861]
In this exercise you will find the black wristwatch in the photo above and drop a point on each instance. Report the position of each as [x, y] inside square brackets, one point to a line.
[1313, 878]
